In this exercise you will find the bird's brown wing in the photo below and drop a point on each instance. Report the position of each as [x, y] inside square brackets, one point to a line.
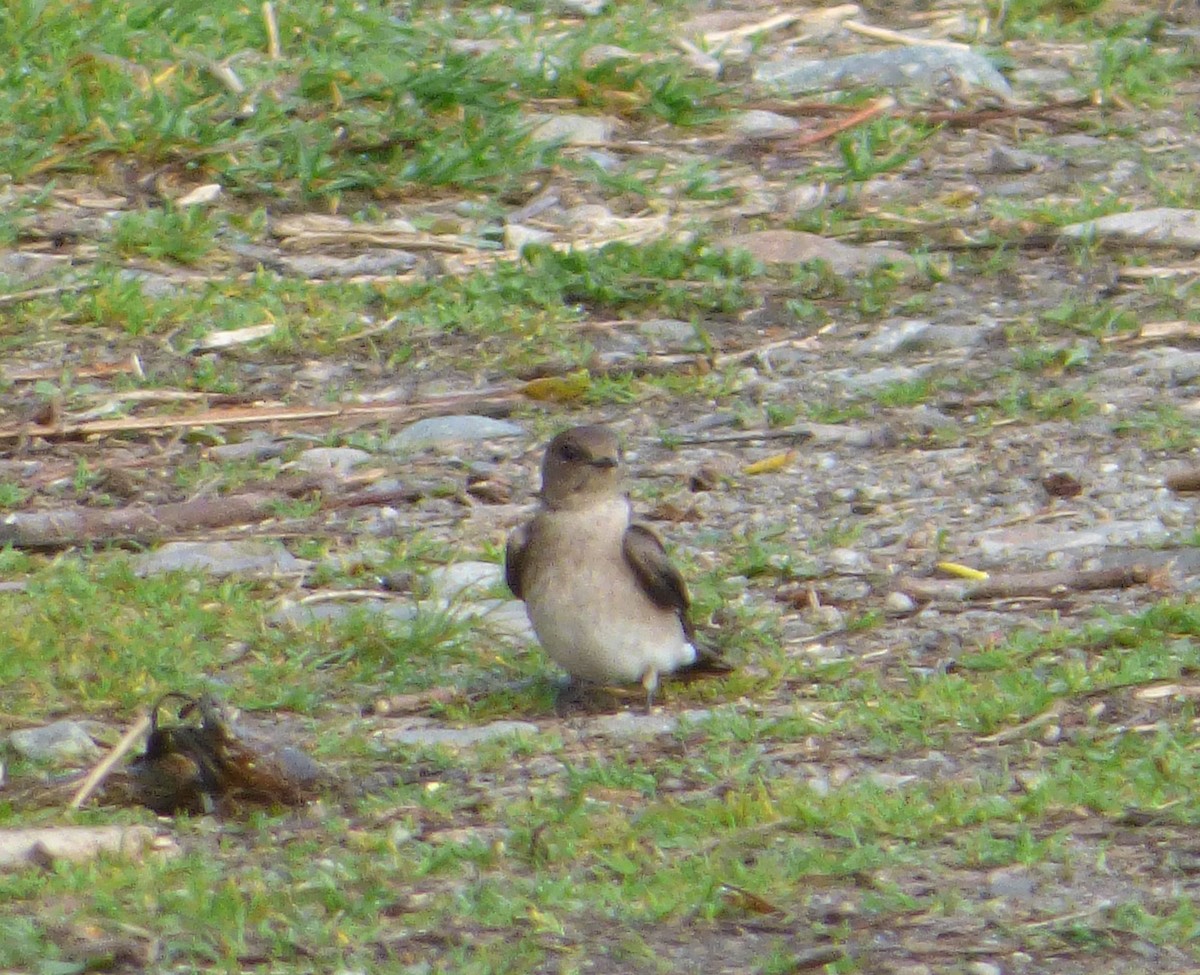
[661, 581]
[514, 557]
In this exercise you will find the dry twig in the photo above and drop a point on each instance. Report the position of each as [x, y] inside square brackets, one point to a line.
[1028, 584]
[100, 772]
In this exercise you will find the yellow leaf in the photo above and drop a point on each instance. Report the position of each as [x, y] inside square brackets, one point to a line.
[769, 465]
[962, 571]
[163, 76]
[559, 389]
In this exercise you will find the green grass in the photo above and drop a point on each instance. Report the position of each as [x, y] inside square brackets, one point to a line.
[359, 102]
[867, 784]
[633, 841]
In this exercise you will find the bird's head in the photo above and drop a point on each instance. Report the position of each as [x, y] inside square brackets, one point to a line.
[581, 464]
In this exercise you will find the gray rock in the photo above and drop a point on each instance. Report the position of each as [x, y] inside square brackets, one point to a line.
[367, 554]
[929, 419]
[574, 130]
[1171, 226]
[799, 247]
[670, 334]
[152, 285]
[889, 780]
[1031, 186]
[1006, 159]
[1123, 172]
[259, 557]
[848, 560]
[1011, 883]
[631, 725]
[874, 378]
[587, 8]
[501, 617]
[450, 581]
[1176, 366]
[379, 261]
[26, 266]
[758, 124]
[439, 430]
[257, 446]
[517, 236]
[548, 199]
[607, 161]
[910, 67]
[598, 54]
[430, 735]
[702, 62]
[338, 460]
[916, 335]
[892, 338]
[306, 614]
[898, 604]
[1041, 77]
[319, 373]
[62, 741]
[1001, 543]
[828, 618]
[804, 197]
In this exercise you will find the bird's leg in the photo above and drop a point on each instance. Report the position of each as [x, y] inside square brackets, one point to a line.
[650, 682]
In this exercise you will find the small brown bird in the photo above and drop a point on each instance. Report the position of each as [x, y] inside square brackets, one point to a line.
[604, 599]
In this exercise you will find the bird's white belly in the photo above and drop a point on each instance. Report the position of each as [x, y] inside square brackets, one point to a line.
[589, 612]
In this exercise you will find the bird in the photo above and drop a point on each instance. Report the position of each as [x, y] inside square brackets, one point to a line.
[601, 593]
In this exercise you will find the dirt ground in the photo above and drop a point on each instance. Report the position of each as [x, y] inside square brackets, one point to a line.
[1006, 365]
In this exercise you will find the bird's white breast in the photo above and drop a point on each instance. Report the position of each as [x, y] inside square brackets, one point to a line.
[587, 606]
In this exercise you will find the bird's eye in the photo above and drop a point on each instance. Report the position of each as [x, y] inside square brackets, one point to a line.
[569, 452]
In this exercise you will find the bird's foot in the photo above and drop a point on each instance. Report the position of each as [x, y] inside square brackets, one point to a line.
[650, 683]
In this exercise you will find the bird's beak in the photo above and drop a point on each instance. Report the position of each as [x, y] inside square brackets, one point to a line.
[604, 462]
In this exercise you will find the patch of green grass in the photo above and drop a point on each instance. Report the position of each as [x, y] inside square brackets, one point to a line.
[194, 88]
[765, 554]
[1087, 202]
[912, 392]
[1140, 70]
[1052, 360]
[620, 276]
[881, 146]
[663, 89]
[12, 495]
[615, 839]
[1162, 428]
[182, 236]
[1096, 319]
[99, 639]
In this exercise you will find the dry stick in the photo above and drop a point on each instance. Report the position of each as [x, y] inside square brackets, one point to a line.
[801, 108]
[251, 416]
[63, 527]
[1012, 585]
[100, 772]
[970, 119]
[130, 366]
[273, 48]
[75, 526]
[877, 107]
[821, 433]
[18, 297]
[56, 529]
[897, 37]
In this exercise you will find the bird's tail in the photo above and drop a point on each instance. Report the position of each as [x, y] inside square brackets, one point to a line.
[708, 663]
